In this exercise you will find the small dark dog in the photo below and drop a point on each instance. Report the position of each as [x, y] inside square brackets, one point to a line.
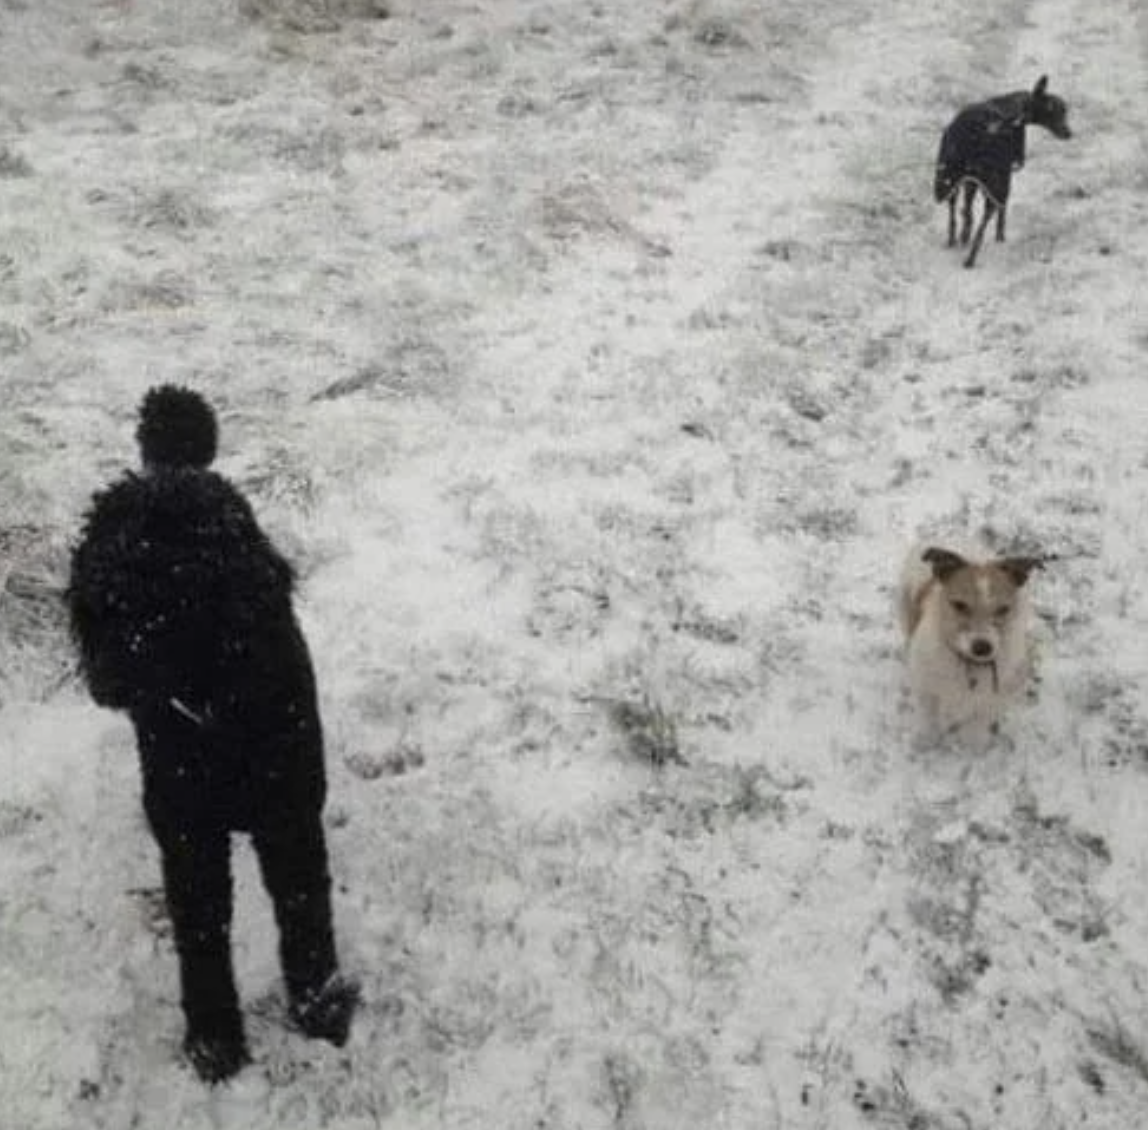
[182, 612]
[982, 147]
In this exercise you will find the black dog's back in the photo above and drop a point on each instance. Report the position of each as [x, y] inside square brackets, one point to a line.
[984, 143]
[165, 560]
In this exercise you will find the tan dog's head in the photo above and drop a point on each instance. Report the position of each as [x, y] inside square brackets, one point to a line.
[978, 603]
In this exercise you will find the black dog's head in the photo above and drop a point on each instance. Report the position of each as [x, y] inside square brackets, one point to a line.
[177, 428]
[1047, 110]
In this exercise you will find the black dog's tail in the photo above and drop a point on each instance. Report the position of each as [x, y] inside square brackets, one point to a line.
[945, 182]
[957, 143]
[177, 428]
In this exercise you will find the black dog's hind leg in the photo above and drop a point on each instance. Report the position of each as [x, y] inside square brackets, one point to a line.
[970, 192]
[197, 881]
[293, 858]
[1001, 223]
[990, 208]
[952, 218]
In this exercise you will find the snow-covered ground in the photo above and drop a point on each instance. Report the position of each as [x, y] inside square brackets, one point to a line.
[596, 363]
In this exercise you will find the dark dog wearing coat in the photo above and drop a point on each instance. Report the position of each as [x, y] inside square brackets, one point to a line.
[980, 150]
[182, 612]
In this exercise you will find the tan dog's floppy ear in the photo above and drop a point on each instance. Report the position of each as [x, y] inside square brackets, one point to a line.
[1018, 568]
[943, 561]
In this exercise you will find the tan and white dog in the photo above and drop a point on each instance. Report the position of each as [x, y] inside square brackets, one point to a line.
[966, 625]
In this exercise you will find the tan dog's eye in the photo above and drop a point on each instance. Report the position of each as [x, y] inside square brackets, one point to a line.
[1002, 610]
[961, 607]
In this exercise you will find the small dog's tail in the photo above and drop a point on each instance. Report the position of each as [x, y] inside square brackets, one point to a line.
[177, 428]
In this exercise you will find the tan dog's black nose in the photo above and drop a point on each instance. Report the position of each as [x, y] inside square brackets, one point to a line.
[981, 649]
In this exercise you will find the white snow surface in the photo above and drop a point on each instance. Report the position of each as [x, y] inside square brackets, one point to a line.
[596, 363]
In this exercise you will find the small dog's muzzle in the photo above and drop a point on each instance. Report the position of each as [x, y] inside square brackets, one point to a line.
[982, 651]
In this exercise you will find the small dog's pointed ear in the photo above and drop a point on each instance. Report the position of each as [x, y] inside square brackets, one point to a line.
[944, 562]
[1041, 86]
[1019, 568]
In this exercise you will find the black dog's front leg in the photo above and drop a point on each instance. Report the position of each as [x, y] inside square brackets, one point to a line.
[1001, 223]
[293, 858]
[952, 219]
[197, 882]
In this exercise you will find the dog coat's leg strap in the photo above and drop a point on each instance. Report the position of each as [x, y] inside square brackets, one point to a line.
[186, 711]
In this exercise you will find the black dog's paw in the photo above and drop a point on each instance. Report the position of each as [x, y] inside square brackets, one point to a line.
[326, 1013]
[216, 1058]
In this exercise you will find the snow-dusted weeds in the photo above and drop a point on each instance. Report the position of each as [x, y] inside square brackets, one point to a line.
[596, 364]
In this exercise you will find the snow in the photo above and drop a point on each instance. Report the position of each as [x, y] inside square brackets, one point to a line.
[596, 364]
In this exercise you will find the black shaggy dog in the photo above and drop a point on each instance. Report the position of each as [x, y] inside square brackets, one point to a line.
[980, 150]
[181, 609]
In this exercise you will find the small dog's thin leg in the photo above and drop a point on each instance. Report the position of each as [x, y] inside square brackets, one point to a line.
[990, 208]
[952, 219]
[294, 866]
[293, 859]
[197, 882]
[1001, 223]
[967, 212]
